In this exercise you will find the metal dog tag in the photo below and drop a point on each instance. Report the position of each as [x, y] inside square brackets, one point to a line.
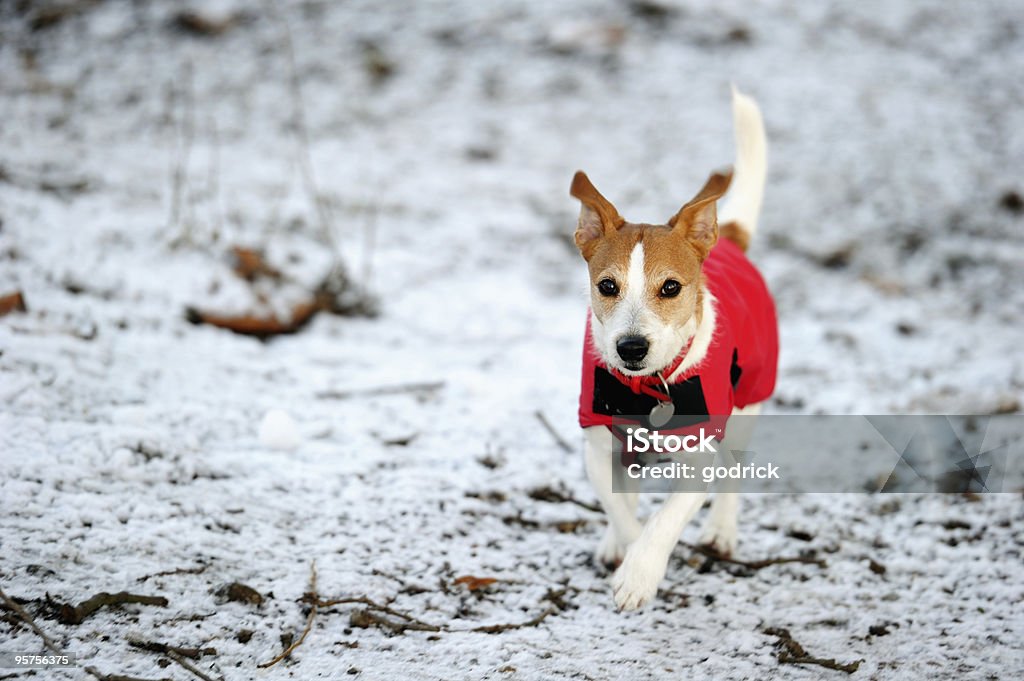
[661, 414]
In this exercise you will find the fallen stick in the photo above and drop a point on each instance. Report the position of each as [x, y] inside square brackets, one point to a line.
[76, 614]
[755, 564]
[185, 664]
[199, 569]
[366, 617]
[793, 653]
[555, 435]
[177, 654]
[165, 648]
[309, 622]
[418, 625]
[432, 386]
[498, 628]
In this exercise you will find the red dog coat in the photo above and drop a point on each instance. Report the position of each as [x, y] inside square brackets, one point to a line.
[738, 369]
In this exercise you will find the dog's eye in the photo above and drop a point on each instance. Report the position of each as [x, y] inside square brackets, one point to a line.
[670, 289]
[608, 288]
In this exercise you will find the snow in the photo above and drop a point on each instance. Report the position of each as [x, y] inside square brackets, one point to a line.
[131, 443]
[278, 430]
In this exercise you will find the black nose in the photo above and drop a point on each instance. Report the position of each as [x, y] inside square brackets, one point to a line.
[632, 348]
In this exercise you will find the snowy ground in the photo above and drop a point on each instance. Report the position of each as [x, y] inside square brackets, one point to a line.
[443, 137]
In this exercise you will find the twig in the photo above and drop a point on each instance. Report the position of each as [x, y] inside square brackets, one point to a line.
[498, 628]
[199, 569]
[302, 135]
[165, 648]
[792, 652]
[315, 599]
[369, 603]
[559, 440]
[14, 607]
[190, 667]
[179, 172]
[369, 244]
[426, 387]
[76, 614]
[555, 496]
[177, 654]
[365, 617]
[213, 177]
[755, 564]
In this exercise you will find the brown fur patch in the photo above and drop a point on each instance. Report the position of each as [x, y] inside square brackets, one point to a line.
[598, 217]
[714, 188]
[736, 234]
[673, 251]
[668, 254]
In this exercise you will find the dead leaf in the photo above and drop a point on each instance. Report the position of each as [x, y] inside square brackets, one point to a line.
[12, 302]
[240, 593]
[252, 325]
[250, 263]
[475, 583]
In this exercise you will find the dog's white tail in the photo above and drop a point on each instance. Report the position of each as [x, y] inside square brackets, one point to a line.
[742, 205]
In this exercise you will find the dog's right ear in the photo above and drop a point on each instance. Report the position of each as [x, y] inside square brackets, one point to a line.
[598, 216]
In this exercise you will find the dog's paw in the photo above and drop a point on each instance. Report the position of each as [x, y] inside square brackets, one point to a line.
[636, 581]
[719, 537]
[610, 550]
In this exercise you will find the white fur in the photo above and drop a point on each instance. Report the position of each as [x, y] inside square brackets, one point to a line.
[701, 336]
[742, 204]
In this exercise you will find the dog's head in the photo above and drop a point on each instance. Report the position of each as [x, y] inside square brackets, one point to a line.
[646, 283]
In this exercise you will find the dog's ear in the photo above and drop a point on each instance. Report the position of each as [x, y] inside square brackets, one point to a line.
[597, 215]
[698, 216]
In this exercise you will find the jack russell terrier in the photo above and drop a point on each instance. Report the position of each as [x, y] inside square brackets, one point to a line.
[682, 327]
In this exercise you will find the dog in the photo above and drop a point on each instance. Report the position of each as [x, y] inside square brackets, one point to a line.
[680, 320]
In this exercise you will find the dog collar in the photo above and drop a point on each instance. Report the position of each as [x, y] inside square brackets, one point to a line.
[649, 384]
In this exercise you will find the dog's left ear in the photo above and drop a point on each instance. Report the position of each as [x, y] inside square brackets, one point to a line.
[598, 216]
[698, 216]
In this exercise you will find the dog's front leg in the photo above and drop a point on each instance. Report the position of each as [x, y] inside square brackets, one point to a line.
[623, 527]
[720, 530]
[636, 581]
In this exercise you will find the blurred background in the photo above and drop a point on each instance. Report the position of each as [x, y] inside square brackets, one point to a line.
[302, 269]
[427, 147]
